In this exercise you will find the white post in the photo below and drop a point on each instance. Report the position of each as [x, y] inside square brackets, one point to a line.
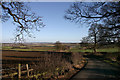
[27, 70]
[19, 70]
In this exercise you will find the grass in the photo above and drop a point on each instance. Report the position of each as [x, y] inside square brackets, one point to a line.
[80, 50]
[30, 49]
[7, 47]
[116, 49]
[112, 63]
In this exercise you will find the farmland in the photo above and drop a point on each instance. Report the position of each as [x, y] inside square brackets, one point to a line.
[52, 63]
[46, 59]
[73, 47]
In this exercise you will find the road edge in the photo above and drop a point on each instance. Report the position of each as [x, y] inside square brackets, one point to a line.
[79, 70]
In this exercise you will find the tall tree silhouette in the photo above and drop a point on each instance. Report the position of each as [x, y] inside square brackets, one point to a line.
[23, 18]
[105, 13]
[90, 12]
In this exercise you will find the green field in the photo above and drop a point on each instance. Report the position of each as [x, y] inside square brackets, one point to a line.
[115, 49]
[30, 49]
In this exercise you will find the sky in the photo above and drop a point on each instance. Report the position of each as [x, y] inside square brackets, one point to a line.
[57, 28]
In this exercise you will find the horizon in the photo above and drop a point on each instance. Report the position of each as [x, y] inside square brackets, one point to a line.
[36, 42]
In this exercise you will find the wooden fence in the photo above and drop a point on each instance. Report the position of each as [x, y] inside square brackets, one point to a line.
[19, 72]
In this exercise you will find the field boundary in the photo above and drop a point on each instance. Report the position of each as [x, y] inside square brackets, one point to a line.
[79, 70]
[19, 72]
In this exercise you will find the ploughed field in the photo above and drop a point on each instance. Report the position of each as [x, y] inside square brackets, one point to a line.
[22, 55]
[40, 61]
[29, 57]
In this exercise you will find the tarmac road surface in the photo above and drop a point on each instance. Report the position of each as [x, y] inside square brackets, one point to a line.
[96, 69]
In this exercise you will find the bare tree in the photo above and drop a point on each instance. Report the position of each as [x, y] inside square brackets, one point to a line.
[90, 12]
[23, 18]
[58, 45]
[86, 39]
[86, 42]
[94, 34]
[105, 13]
[100, 36]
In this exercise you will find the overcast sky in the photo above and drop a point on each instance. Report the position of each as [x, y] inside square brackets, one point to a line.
[56, 29]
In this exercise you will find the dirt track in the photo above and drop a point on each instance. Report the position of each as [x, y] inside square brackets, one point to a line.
[97, 69]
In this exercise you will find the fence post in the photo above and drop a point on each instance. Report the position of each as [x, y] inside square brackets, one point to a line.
[27, 70]
[19, 70]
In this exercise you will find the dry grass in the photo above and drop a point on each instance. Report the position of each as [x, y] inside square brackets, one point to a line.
[53, 63]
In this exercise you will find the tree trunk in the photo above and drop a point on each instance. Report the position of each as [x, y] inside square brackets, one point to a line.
[95, 48]
[95, 43]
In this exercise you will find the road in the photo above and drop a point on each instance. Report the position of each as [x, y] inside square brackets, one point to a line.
[96, 69]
